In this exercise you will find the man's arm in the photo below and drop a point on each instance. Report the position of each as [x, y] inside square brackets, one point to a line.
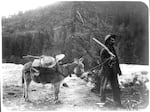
[104, 47]
[118, 66]
[104, 55]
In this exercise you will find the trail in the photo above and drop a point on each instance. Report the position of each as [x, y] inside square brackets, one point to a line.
[76, 97]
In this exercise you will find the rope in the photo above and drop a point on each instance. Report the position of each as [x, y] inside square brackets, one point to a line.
[99, 65]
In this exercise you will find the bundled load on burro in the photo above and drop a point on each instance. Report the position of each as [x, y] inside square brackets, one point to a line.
[42, 62]
[47, 61]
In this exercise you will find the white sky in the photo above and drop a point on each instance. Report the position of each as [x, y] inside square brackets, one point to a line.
[9, 7]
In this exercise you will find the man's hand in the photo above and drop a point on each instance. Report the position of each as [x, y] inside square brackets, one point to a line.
[112, 61]
[113, 58]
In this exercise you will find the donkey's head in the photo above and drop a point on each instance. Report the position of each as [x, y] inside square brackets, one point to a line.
[79, 67]
[76, 67]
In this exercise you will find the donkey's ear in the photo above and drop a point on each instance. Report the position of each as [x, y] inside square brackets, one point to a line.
[81, 59]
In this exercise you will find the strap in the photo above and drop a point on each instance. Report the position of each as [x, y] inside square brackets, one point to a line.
[99, 64]
[34, 69]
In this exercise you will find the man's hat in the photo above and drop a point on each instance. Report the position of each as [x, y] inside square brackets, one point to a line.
[107, 37]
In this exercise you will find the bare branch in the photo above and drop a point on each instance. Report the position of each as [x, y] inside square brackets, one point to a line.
[80, 17]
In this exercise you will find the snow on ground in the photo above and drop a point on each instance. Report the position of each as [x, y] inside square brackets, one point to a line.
[129, 68]
[11, 73]
[10, 70]
[129, 72]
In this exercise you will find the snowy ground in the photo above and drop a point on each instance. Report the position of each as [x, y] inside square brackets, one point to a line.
[73, 98]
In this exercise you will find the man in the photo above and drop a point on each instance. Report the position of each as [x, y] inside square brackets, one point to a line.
[109, 72]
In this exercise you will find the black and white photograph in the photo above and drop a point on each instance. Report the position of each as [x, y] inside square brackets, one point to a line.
[74, 55]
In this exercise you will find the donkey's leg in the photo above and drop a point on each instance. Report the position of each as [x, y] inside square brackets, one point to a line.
[27, 79]
[23, 90]
[23, 73]
[27, 89]
[56, 90]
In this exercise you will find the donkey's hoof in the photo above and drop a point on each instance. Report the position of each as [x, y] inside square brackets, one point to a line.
[65, 85]
[27, 100]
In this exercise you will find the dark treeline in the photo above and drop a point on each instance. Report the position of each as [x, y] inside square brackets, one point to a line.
[68, 27]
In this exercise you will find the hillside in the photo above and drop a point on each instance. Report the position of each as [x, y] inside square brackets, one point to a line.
[67, 27]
